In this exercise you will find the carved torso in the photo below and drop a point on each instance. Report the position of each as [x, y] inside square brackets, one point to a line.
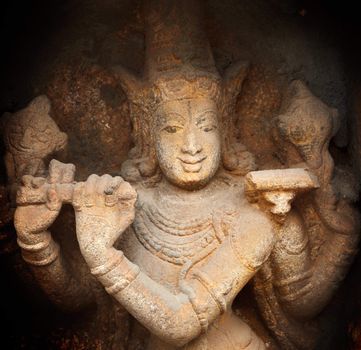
[179, 229]
[175, 254]
[178, 235]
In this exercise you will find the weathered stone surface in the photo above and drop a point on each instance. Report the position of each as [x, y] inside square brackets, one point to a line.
[164, 250]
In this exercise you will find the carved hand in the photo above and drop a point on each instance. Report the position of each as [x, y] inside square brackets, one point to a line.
[104, 208]
[31, 220]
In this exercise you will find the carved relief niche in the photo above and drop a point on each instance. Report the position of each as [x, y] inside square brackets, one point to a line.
[178, 178]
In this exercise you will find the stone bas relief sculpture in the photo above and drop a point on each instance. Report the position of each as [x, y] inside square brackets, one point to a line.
[191, 221]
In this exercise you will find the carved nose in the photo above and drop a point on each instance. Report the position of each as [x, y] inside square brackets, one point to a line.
[190, 145]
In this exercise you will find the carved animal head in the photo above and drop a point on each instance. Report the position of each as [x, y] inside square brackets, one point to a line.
[31, 135]
[306, 123]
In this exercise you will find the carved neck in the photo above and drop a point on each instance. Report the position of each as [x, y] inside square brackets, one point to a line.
[181, 226]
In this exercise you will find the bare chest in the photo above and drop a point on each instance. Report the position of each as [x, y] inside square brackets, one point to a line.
[171, 235]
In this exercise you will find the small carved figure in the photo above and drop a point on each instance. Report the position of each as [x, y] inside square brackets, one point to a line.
[319, 239]
[31, 137]
[177, 241]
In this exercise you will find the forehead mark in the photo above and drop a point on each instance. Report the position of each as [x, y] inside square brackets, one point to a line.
[189, 108]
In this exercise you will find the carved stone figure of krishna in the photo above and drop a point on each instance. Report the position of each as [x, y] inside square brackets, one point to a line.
[191, 221]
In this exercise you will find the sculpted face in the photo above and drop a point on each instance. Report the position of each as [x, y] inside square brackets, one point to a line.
[187, 141]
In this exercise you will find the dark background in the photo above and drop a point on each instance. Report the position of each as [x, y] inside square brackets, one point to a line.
[37, 35]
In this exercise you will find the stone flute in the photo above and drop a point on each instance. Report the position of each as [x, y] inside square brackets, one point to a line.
[190, 222]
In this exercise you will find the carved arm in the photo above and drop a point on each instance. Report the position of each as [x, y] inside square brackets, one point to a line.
[104, 208]
[30, 137]
[306, 276]
[206, 293]
[39, 250]
[305, 285]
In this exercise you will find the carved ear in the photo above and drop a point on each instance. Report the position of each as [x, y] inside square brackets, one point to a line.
[235, 156]
[233, 79]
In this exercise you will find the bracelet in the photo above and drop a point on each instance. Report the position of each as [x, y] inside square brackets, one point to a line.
[112, 271]
[37, 246]
[50, 257]
[124, 281]
[40, 254]
[289, 297]
[113, 262]
[293, 279]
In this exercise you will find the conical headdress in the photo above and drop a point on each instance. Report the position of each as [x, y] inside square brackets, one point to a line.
[178, 64]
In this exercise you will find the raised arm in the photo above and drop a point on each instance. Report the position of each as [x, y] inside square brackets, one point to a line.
[304, 278]
[31, 136]
[306, 284]
[319, 239]
[104, 208]
[39, 249]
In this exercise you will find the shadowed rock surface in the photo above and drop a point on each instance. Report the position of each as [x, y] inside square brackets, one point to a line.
[280, 112]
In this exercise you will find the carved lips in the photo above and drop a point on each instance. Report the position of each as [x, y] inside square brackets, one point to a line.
[192, 164]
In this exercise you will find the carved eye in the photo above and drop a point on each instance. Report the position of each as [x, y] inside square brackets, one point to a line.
[171, 129]
[209, 128]
[207, 121]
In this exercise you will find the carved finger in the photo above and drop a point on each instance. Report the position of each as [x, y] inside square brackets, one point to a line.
[41, 170]
[55, 171]
[113, 185]
[126, 192]
[32, 167]
[37, 182]
[126, 196]
[90, 190]
[111, 195]
[78, 196]
[53, 202]
[103, 184]
[68, 171]
[27, 180]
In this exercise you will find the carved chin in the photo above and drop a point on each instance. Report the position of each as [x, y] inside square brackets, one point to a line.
[191, 181]
[189, 176]
[192, 168]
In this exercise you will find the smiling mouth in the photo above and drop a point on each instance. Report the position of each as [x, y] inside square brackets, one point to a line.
[192, 165]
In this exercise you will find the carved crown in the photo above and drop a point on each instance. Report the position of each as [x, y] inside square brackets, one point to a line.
[179, 64]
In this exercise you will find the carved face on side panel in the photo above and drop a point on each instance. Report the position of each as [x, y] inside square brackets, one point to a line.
[32, 132]
[188, 145]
